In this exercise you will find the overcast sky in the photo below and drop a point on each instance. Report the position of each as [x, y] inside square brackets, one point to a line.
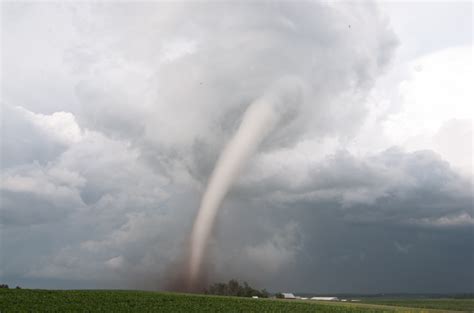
[114, 113]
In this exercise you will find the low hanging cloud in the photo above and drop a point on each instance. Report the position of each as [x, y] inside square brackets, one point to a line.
[102, 176]
[393, 186]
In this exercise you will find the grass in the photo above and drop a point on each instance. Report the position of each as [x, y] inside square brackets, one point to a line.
[441, 304]
[30, 300]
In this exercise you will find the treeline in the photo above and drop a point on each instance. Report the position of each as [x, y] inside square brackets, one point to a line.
[233, 288]
[5, 286]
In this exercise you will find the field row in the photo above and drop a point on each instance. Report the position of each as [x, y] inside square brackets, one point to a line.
[25, 300]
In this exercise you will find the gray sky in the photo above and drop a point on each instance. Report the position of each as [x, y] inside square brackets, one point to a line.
[113, 115]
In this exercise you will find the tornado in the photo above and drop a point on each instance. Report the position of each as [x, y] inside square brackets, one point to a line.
[260, 118]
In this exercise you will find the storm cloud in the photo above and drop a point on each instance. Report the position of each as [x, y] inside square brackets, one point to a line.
[111, 128]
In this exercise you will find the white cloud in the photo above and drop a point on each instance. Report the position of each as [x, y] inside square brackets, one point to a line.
[115, 262]
[439, 91]
[434, 97]
[423, 103]
[177, 49]
[59, 125]
[462, 219]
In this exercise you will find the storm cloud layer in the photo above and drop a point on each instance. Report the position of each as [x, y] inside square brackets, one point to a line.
[113, 116]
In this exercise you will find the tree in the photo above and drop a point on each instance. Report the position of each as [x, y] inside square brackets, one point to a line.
[233, 288]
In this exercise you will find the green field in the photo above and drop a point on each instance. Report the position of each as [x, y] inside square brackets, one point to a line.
[27, 300]
[442, 304]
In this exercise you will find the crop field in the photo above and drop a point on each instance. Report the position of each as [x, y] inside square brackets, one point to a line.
[26, 300]
[441, 304]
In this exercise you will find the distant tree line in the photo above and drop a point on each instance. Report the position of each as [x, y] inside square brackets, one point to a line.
[233, 288]
[464, 296]
[5, 286]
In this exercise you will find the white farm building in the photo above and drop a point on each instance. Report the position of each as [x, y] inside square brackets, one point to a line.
[325, 298]
[288, 295]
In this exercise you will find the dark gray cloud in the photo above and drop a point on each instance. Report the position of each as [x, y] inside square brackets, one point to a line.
[355, 225]
[104, 159]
